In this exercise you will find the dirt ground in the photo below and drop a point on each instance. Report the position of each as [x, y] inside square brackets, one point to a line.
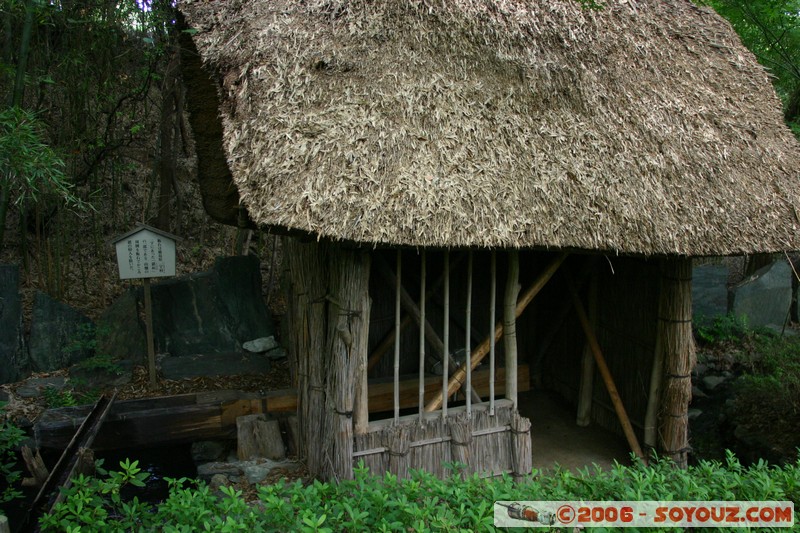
[556, 439]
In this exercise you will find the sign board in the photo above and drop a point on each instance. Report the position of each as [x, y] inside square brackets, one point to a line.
[145, 252]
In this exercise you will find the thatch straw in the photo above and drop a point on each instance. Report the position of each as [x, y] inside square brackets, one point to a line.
[644, 127]
[348, 325]
[398, 448]
[305, 264]
[677, 344]
[522, 461]
[461, 440]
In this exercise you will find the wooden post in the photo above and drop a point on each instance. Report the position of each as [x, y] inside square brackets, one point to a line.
[677, 344]
[624, 421]
[399, 444]
[510, 325]
[586, 393]
[361, 408]
[457, 380]
[148, 323]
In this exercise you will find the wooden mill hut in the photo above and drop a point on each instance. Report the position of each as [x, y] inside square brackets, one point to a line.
[525, 180]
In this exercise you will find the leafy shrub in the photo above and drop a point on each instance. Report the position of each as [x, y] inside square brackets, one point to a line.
[10, 438]
[723, 328]
[420, 503]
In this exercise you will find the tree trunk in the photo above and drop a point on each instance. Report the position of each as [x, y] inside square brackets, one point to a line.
[166, 159]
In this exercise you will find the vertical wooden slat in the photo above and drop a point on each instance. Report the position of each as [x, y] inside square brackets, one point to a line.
[468, 328]
[510, 325]
[446, 334]
[422, 275]
[492, 320]
[397, 337]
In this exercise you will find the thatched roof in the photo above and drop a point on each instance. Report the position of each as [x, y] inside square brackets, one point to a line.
[645, 127]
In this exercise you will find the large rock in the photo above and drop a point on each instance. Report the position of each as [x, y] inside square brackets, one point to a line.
[764, 298]
[211, 312]
[709, 291]
[239, 285]
[60, 335]
[13, 356]
[120, 332]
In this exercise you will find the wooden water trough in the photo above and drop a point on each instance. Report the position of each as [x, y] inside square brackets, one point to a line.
[212, 415]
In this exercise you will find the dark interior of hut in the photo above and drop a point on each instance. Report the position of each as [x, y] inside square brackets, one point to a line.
[620, 295]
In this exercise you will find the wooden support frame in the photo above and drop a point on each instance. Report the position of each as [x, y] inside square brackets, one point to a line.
[611, 387]
[458, 378]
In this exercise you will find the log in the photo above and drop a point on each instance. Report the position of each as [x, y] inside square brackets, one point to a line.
[521, 459]
[457, 380]
[257, 436]
[446, 334]
[36, 467]
[613, 393]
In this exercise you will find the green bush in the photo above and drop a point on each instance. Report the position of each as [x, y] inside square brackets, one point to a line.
[10, 438]
[419, 503]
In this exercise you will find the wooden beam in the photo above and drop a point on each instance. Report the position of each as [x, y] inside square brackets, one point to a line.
[633, 442]
[458, 378]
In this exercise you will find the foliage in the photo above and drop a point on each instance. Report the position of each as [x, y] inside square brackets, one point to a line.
[87, 338]
[55, 398]
[420, 503]
[723, 328]
[771, 30]
[768, 394]
[30, 166]
[10, 438]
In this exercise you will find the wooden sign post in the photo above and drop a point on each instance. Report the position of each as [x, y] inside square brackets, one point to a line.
[145, 253]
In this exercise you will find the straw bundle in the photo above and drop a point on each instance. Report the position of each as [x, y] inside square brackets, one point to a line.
[676, 343]
[645, 127]
[521, 458]
[305, 263]
[348, 323]
[398, 447]
[461, 440]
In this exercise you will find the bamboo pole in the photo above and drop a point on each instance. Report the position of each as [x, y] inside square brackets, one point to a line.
[388, 340]
[446, 333]
[458, 378]
[633, 442]
[468, 330]
[492, 319]
[399, 270]
[422, 275]
[411, 307]
[586, 392]
[510, 325]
